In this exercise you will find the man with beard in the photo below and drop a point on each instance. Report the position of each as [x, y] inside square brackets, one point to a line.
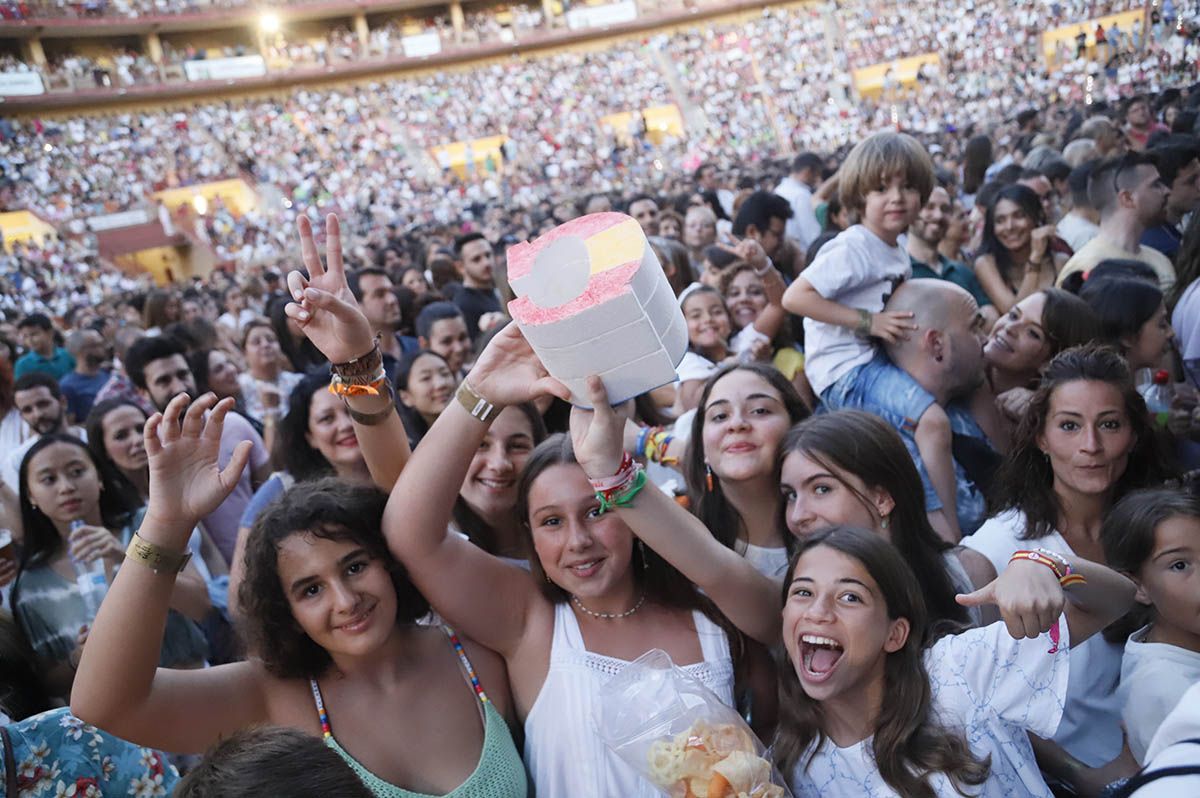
[477, 297]
[924, 236]
[159, 370]
[81, 385]
[1131, 197]
[40, 402]
[376, 296]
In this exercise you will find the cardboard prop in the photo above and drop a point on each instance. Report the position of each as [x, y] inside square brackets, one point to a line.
[592, 298]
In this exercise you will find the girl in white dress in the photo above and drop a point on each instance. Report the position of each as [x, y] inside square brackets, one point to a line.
[957, 712]
[596, 599]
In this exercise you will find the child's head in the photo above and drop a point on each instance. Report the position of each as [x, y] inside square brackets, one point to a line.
[886, 179]
[1153, 536]
[707, 320]
[272, 760]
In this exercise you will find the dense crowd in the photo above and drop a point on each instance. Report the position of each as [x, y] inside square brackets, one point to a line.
[918, 515]
[753, 98]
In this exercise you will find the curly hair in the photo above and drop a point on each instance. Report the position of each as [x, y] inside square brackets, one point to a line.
[909, 744]
[1025, 479]
[323, 509]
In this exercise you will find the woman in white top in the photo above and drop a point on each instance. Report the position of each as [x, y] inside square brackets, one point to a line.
[732, 463]
[1085, 441]
[595, 602]
[265, 384]
[872, 707]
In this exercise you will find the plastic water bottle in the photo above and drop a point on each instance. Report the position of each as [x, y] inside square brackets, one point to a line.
[91, 580]
[1159, 395]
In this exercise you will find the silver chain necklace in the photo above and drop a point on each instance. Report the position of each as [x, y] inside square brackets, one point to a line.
[609, 616]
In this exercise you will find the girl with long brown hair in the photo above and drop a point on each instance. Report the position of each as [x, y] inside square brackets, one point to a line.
[871, 706]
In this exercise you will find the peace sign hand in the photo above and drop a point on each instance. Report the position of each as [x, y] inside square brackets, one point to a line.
[323, 305]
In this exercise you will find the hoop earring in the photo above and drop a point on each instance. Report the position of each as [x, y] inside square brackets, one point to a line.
[708, 477]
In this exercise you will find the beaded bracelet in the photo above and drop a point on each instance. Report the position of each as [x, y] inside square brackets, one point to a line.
[656, 449]
[624, 475]
[1055, 562]
[624, 495]
[620, 489]
[643, 436]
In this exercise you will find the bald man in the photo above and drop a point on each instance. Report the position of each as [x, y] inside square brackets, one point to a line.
[944, 357]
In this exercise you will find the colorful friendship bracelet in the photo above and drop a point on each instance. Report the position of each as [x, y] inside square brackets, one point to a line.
[1055, 562]
[623, 496]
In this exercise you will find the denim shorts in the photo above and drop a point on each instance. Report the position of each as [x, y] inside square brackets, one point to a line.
[882, 388]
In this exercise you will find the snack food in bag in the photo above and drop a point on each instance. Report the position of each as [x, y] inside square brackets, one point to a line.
[682, 738]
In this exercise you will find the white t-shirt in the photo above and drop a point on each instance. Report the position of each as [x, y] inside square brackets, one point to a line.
[1091, 727]
[1076, 231]
[1186, 321]
[11, 469]
[767, 560]
[1154, 676]
[694, 367]
[857, 270]
[1168, 749]
[988, 685]
[803, 226]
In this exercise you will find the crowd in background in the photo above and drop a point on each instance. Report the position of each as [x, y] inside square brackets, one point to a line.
[940, 396]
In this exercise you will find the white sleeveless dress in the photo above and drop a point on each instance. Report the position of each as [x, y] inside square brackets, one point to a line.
[564, 755]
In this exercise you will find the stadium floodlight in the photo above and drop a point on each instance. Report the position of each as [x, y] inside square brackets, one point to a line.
[269, 22]
[200, 203]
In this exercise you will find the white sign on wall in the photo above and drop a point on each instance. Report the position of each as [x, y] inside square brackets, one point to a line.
[602, 16]
[244, 66]
[421, 45]
[23, 84]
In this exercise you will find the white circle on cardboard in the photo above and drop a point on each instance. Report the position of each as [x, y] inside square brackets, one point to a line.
[559, 273]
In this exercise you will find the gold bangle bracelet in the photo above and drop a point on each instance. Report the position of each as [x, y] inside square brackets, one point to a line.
[155, 557]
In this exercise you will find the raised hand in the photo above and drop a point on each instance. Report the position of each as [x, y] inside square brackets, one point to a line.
[1039, 244]
[598, 434]
[186, 483]
[508, 371]
[323, 304]
[1028, 596]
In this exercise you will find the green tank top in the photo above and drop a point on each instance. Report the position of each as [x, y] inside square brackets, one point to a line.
[500, 772]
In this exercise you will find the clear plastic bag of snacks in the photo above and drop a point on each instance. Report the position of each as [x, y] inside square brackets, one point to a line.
[679, 736]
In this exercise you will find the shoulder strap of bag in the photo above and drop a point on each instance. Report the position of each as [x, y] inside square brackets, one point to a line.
[10, 764]
[1147, 776]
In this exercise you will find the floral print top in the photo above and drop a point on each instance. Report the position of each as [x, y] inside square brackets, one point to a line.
[59, 755]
